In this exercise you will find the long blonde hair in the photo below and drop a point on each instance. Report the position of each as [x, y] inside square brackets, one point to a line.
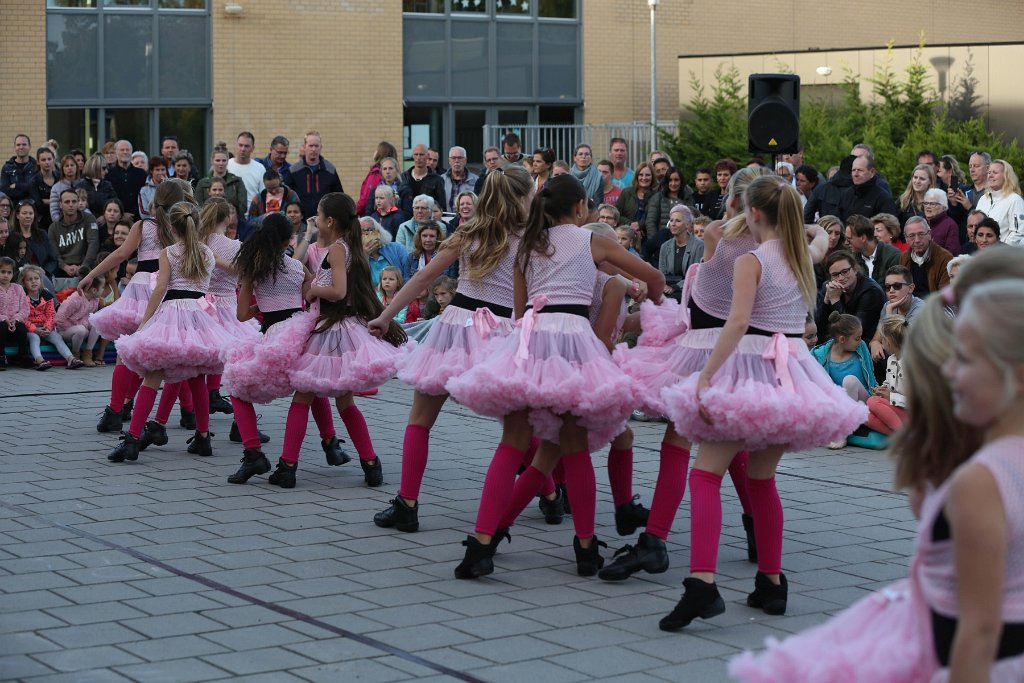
[1011, 184]
[738, 184]
[781, 205]
[500, 212]
[908, 199]
[184, 219]
[167, 195]
[215, 211]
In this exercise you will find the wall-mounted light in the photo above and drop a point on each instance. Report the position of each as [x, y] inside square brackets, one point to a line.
[233, 8]
[824, 71]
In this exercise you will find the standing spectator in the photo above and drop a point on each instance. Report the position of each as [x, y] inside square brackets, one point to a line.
[42, 184]
[157, 175]
[385, 212]
[234, 188]
[185, 168]
[705, 198]
[140, 161]
[848, 291]
[79, 157]
[389, 174]
[126, 179]
[511, 150]
[39, 249]
[827, 196]
[75, 238]
[887, 230]
[457, 179]
[609, 215]
[18, 171]
[622, 175]
[807, 179]
[925, 259]
[95, 184]
[584, 169]
[275, 196]
[673, 190]
[543, 159]
[69, 175]
[422, 214]
[168, 148]
[420, 180]
[945, 231]
[912, 200]
[385, 150]
[660, 166]
[974, 219]
[434, 161]
[492, 160]
[724, 170]
[865, 196]
[877, 257]
[634, 202]
[986, 235]
[1003, 202]
[113, 213]
[610, 192]
[277, 159]
[245, 167]
[313, 176]
[970, 194]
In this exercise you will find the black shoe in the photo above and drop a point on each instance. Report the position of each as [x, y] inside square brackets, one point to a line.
[155, 434]
[767, 596]
[188, 419]
[126, 410]
[253, 462]
[648, 554]
[284, 475]
[479, 560]
[499, 535]
[400, 515]
[219, 404]
[235, 436]
[700, 599]
[110, 422]
[588, 560]
[630, 516]
[336, 455]
[552, 509]
[564, 493]
[748, 526]
[3, 362]
[128, 449]
[373, 474]
[201, 445]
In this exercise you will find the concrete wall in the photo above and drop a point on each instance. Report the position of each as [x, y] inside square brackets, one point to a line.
[23, 73]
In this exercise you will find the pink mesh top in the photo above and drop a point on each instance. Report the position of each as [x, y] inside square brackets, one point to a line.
[223, 283]
[778, 305]
[314, 256]
[496, 287]
[1004, 458]
[595, 306]
[178, 280]
[712, 291]
[283, 293]
[567, 275]
[149, 242]
[325, 278]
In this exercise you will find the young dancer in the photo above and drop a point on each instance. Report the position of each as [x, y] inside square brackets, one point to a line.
[485, 248]
[340, 356]
[553, 363]
[759, 388]
[179, 337]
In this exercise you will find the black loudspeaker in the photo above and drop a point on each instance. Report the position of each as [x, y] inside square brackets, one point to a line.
[773, 113]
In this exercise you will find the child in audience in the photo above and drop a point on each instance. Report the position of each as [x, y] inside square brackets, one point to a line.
[888, 401]
[13, 313]
[390, 283]
[41, 321]
[847, 359]
[441, 293]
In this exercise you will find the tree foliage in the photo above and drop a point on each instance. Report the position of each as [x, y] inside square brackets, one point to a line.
[904, 116]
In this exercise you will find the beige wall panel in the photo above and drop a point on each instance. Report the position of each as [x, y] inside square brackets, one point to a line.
[23, 73]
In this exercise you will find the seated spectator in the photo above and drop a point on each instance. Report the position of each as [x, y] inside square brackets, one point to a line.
[423, 207]
[386, 213]
[609, 215]
[442, 291]
[974, 218]
[874, 256]
[13, 314]
[275, 197]
[98, 190]
[679, 253]
[953, 267]
[110, 292]
[887, 230]
[848, 291]
[834, 228]
[39, 250]
[673, 190]
[945, 231]
[75, 239]
[380, 250]
[847, 360]
[900, 300]
[1003, 202]
[157, 175]
[428, 238]
[140, 160]
[41, 321]
[629, 239]
[113, 212]
[887, 403]
[987, 234]
[466, 207]
[925, 259]
[234, 188]
[389, 282]
[700, 223]
[69, 175]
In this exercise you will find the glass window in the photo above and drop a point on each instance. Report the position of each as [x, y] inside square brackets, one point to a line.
[515, 59]
[469, 131]
[189, 125]
[515, 7]
[424, 58]
[70, 3]
[127, 3]
[73, 128]
[71, 61]
[128, 56]
[421, 126]
[557, 9]
[184, 56]
[129, 124]
[423, 6]
[469, 59]
[475, 6]
[181, 4]
[558, 53]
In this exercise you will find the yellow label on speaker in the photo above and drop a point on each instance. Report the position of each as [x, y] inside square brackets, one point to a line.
[772, 143]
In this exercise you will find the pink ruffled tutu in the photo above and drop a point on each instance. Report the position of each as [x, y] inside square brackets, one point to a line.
[257, 369]
[455, 343]
[183, 338]
[557, 366]
[770, 391]
[342, 359]
[124, 315]
[241, 332]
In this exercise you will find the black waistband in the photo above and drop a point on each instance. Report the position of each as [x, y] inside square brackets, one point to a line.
[702, 320]
[471, 304]
[1011, 644]
[151, 265]
[573, 309]
[274, 317]
[173, 294]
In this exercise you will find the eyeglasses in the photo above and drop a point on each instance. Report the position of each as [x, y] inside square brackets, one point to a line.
[931, 204]
[916, 236]
[841, 273]
[895, 286]
[456, 158]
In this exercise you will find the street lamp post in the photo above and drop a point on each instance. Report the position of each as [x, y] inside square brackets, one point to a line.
[653, 4]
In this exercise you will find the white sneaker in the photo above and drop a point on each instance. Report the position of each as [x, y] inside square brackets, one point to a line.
[836, 445]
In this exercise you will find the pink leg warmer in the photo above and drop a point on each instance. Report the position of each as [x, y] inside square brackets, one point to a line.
[706, 520]
[185, 398]
[415, 449]
[738, 474]
[355, 424]
[213, 382]
[498, 487]
[558, 474]
[768, 517]
[168, 397]
[245, 417]
[140, 413]
[132, 387]
[201, 399]
[294, 432]
[669, 490]
[120, 387]
[620, 475]
[323, 415]
[525, 490]
[582, 487]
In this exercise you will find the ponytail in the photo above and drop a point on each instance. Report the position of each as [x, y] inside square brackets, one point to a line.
[215, 211]
[843, 325]
[554, 202]
[167, 195]
[184, 218]
[262, 255]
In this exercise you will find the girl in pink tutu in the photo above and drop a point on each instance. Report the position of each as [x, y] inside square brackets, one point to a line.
[179, 337]
[339, 356]
[485, 248]
[960, 614]
[149, 237]
[760, 389]
[257, 369]
[554, 363]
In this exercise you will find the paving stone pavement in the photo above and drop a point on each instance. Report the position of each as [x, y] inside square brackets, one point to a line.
[160, 570]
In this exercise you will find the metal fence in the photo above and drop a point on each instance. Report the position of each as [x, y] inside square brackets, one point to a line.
[563, 138]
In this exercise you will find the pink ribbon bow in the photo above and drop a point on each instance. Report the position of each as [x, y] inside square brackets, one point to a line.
[779, 351]
[484, 321]
[153, 277]
[206, 303]
[527, 323]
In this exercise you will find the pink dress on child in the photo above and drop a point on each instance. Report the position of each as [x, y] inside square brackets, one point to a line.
[771, 390]
[125, 314]
[343, 358]
[183, 338]
[224, 288]
[257, 369]
[553, 362]
[887, 637]
[458, 338]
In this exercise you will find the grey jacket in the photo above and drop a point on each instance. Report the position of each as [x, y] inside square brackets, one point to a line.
[693, 252]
